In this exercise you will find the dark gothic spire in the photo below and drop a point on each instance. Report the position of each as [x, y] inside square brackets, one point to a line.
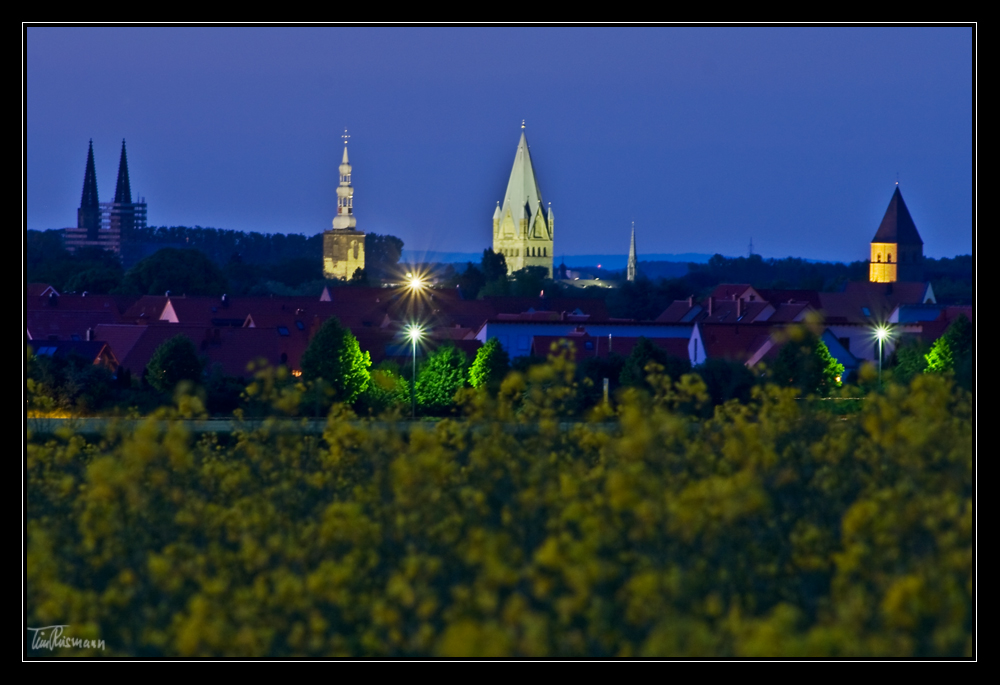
[123, 191]
[89, 198]
[89, 214]
[897, 225]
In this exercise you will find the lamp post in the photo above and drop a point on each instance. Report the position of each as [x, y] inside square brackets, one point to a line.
[881, 332]
[414, 333]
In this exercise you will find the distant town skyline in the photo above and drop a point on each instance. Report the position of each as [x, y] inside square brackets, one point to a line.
[706, 138]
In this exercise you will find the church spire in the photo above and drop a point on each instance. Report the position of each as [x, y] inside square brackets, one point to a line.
[345, 193]
[88, 216]
[632, 263]
[123, 191]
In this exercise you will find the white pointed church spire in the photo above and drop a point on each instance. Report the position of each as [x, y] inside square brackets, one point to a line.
[345, 193]
[632, 263]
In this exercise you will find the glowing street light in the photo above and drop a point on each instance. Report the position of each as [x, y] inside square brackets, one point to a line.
[414, 332]
[414, 282]
[881, 332]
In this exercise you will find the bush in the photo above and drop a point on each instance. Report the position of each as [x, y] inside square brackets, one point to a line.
[174, 361]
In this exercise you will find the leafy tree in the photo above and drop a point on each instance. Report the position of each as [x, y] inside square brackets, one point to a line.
[99, 280]
[592, 371]
[470, 281]
[953, 351]
[335, 357]
[494, 265]
[174, 361]
[490, 367]
[805, 362]
[179, 271]
[440, 377]
[360, 277]
[382, 254]
[387, 390]
[634, 370]
[908, 360]
[530, 281]
[726, 380]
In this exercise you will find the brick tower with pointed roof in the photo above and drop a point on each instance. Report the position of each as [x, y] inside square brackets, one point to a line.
[897, 252]
[344, 246]
[523, 227]
[88, 216]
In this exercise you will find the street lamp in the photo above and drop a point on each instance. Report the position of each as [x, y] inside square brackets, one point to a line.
[414, 332]
[881, 332]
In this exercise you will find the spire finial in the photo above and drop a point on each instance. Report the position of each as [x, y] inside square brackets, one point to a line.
[522, 123]
[345, 136]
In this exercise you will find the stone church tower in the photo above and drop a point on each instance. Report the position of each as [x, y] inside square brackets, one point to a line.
[897, 252]
[522, 225]
[344, 246]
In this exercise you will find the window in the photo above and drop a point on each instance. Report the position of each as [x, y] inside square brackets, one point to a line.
[282, 330]
[301, 326]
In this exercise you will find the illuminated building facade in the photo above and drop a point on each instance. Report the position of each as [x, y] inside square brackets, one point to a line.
[523, 228]
[344, 246]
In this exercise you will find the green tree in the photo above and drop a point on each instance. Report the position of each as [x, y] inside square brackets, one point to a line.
[386, 390]
[805, 362]
[908, 360]
[490, 367]
[530, 281]
[634, 370]
[187, 272]
[493, 265]
[335, 357]
[382, 253]
[174, 361]
[726, 380]
[99, 280]
[440, 377]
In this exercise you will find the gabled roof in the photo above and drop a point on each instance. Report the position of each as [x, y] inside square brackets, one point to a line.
[897, 225]
[777, 297]
[744, 342]
[95, 352]
[679, 311]
[39, 290]
[865, 302]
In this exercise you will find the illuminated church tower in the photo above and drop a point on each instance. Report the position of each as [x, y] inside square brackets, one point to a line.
[522, 225]
[897, 252]
[344, 246]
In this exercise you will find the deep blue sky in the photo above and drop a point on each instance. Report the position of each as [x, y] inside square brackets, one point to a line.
[705, 137]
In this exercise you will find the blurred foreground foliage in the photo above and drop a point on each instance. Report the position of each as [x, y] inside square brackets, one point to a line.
[772, 527]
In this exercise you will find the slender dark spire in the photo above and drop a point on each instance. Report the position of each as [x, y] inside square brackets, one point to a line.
[897, 225]
[89, 198]
[89, 214]
[123, 191]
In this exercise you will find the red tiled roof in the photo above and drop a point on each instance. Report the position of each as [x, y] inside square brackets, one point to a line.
[60, 324]
[776, 297]
[39, 290]
[735, 342]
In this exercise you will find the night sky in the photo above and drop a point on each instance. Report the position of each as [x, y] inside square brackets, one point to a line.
[705, 137]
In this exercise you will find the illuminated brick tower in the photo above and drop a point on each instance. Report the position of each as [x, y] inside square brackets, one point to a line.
[523, 228]
[897, 252]
[344, 246]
